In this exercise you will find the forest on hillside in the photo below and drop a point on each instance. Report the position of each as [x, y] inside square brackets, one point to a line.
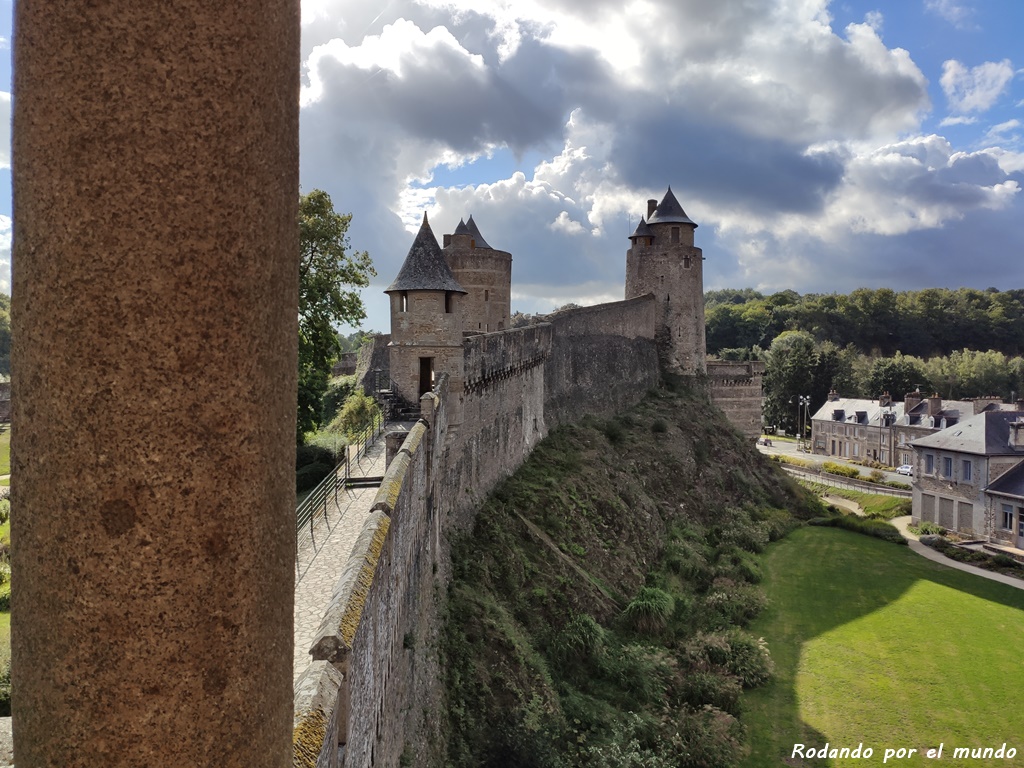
[959, 343]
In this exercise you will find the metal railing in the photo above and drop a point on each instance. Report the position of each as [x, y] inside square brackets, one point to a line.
[841, 481]
[316, 505]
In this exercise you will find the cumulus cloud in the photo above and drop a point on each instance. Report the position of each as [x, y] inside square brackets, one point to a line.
[5, 254]
[792, 143]
[975, 89]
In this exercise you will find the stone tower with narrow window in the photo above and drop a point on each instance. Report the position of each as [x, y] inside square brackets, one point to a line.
[485, 273]
[664, 261]
[426, 322]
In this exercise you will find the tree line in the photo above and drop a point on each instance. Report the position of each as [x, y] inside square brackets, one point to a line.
[959, 344]
[879, 322]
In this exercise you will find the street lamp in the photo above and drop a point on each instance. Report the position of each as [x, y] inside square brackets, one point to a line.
[802, 403]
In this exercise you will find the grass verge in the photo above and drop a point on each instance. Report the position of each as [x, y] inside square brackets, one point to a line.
[876, 505]
[866, 649]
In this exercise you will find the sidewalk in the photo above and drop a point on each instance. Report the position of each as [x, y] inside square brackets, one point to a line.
[902, 524]
[320, 561]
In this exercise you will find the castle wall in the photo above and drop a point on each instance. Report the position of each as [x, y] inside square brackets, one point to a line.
[603, 359]
[735, 387]
[486, 274]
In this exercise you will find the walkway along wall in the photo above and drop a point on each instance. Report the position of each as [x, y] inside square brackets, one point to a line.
[377, 688]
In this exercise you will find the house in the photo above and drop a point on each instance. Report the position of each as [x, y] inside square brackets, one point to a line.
[854, 428]
[969, 477]
[883, 430]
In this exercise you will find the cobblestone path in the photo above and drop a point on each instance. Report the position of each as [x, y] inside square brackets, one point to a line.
[321, 559]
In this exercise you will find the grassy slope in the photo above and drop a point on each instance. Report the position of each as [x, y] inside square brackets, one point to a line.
[873, 643]
[579, 529]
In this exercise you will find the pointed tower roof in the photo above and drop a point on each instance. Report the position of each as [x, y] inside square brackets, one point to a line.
[471, 225]
[425, 268]
[669, 211]
[642, 230]
[462, 229]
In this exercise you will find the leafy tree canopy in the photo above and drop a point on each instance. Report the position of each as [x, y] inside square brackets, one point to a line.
[329, 278]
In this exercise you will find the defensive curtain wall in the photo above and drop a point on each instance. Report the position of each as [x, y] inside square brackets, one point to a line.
[374, 686]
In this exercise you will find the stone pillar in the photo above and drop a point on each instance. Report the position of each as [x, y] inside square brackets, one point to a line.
[155, 169]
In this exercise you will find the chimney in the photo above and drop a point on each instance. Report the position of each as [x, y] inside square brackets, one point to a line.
[1020, 404]
[1017, 433]
[911, 400]
[833, 396]
[982, 404]
[885, 401]
[651, 205]
[447, 241]
[934, 405]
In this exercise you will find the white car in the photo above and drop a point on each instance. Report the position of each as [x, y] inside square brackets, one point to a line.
[906, 469]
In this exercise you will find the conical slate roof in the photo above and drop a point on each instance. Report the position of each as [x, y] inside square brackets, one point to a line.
[669, 211]
[462, 229]
[471, 225]
[425, 268]
[642, 230]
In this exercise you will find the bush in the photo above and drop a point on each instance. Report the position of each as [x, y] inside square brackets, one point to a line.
[581, 637]
[734, 652]
[926, 528]
[731, 603]
[309, 476]
[701, 687]
[5, 602]
[840, 469]
[358, 412]
[312, 454]
[614, 431]
[5, 690]
[876, 528]
[650, 610]
[5, 510]
[338, 391]
[659, 426]
[1004, 561]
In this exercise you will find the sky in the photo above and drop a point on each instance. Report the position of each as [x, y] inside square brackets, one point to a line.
[820, 146]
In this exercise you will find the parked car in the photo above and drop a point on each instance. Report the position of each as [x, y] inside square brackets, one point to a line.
[905, 469]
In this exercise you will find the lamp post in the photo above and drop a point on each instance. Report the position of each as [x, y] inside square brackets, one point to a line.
[802, 402]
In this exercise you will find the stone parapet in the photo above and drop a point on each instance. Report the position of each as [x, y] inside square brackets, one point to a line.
[318, 710]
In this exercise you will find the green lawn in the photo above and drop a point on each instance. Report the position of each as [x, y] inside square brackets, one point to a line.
[875, 644]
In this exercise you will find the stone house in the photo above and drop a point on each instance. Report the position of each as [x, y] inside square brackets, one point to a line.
[968, 477]
[855, 428]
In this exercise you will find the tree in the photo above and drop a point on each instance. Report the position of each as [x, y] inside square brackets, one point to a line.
[329, 276]
[897, 375]
[789, 374]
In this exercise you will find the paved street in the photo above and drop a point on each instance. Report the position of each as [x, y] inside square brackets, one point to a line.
[320, 561]
[789, 448]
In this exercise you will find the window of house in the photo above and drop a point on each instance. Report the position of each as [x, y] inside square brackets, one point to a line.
[966, 470]
[403, 302]
[487, 295]
[856, 450]
[1007, 517]
[947, 467]
[929, 463]
[675, 234]
[448, 302]
[686, 262]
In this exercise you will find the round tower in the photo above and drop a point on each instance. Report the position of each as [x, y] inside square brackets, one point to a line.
[664, 261]
[485, 273]
[426, 330]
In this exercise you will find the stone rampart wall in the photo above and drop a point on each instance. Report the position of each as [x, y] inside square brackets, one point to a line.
[603, 359]
[735, 387]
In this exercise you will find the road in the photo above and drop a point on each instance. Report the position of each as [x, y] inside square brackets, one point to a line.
[789, 448]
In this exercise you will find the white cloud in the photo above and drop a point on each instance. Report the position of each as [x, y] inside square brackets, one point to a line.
[956, 13]
[563, 223]
[5, 254]
[975, 89]
[958, 120]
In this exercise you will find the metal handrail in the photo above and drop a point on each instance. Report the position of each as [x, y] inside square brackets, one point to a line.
[309, 510]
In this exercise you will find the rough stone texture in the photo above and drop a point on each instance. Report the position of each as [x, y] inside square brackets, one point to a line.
[736, 388]
[374, 356]
[318, 706]
[155, 284]
[674, 273]
[603, 359]
[486, 275]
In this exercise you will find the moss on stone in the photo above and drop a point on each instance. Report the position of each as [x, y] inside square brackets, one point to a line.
[357, 600]
[308, 739]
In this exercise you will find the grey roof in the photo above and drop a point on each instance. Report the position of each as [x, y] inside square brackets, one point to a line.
[462, 229]
[471, 226]
[855, 410]
[1010, 482]
[953, 411]
[669, 211]
[425, 268]
[642, 230]
[987, 434]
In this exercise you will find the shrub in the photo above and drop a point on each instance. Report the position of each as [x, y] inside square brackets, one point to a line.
[731, 603]
[581, 637]
[5, 510]
[701, 687]
[310, 476]
[338, 391]
[5, 602]
[642, 673]
[659, 426]
[876, 476]
[735, 653]
[356, 414]
[650, 610]
[5, 689]
[707, 737]
[5, 572]
[876, 528]
[840, 469]
[1004, 561]
[312, 454]
[926, 528]
[614, 431]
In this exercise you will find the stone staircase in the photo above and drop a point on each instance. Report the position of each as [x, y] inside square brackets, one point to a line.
[395, 407]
